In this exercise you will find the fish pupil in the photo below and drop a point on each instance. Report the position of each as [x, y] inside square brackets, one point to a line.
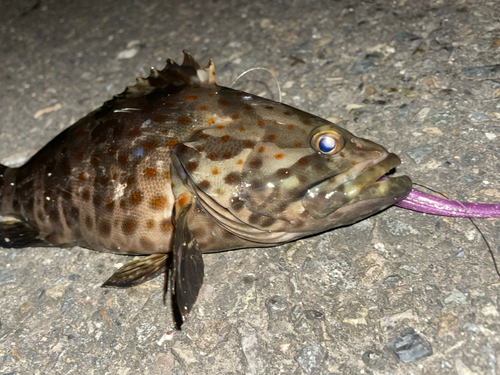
[326, 144]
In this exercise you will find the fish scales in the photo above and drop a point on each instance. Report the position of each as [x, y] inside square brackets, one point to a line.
[179, 164]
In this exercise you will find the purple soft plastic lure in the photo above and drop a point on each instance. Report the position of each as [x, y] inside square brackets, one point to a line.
[422, 202]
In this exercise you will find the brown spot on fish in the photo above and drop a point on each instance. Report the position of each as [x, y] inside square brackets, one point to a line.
[225, 138]
[303, 160]
[254, 218]
[95, 161]
[205, 184]
[159, 202]
[150, 223]
[89, 223]
[123, 159]
[260, 122]
[256, 184]
[150, 145]
[192, 166]
[227, 155]
[211, 121]
[54, 216]
[82, 176]
[184, 120]
[287, 113]
[103, 180]
[130, 180]
[110, 205]
[283, 172]
[267, 222]
[66, 195]
[279, 156]
[291, 127]
[86, 195]
[297, 144]
[134, 132]
[232, 178]
[255, 163]
[166, 175]
[268, 107]
[112, 150]
[247, 143]
[74, 213]
[220, 127]
[215, 171]
[79, 156]
[203, 107]
[104, 228]
[136, 198]
[191, 97]
[129, 226]
[237, 204]
[166, 226]
[223, 102]
[171, 143]
[213, 156]
[261, 149]
[97, 200]
[203, 136]
[118, 128]
[211, 94]
[159, 117]
[248, 108]
[236, 116]
[271, 137]
[150, 172]
[146, 244]
[239, 161]
[306, 121]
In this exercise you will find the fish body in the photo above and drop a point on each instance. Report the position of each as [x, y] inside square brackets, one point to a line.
[177, 166]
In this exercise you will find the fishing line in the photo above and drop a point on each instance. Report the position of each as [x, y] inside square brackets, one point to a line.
[490, 250]
[260, 68]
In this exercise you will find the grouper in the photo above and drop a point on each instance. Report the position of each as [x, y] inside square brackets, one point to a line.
[177, 166]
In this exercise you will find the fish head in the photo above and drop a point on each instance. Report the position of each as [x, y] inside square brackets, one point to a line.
[290, 175]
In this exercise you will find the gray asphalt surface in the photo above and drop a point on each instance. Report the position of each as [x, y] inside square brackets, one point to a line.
[421, 78]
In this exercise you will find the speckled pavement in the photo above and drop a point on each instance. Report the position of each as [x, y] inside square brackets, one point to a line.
[398, 293]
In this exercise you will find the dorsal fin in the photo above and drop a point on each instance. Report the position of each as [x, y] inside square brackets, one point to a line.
[189, 73]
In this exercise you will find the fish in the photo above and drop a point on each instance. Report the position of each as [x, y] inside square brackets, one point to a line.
[177, 166]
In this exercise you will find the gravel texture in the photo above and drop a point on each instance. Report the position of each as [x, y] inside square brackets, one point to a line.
[398, 293]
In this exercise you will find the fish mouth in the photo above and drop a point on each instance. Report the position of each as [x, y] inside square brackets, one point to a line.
[359, 183]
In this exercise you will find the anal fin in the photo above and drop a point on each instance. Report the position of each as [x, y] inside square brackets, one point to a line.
[138, 271]
[17, 234]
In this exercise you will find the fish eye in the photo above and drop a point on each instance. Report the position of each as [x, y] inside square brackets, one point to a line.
[327, 142]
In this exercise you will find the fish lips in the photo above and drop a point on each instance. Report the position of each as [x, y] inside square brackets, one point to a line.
[330, 195]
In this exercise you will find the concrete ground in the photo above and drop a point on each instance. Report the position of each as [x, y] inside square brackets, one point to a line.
[398, 293]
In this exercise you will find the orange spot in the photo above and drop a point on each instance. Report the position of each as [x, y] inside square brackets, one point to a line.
[150, 172]
[261, 149]
[239, 161]
[134, 132]
[79, 156]
[211, 121]
[306, 121]
[223, 102]
[297, 144]
[172, 143]
[220, 127]
[268, 107]
[150, 224]
[212, 156]
[224, 138]
[235, 116]
[241, 129]
[286, 113]
[279, 156]
[82, 177]
[215, 171]
[196, 87]
[271, 137]
[136, 197]
[151, 145]
[166, 175]
[203, 107]
[158, 202]
[291, 127]
[260, 122]
[184, 120]
[181, 201]
[191, 97]
[203, 136]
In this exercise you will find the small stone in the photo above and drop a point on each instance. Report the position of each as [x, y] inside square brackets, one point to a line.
[311, 357]
[409, 346]
[420, 152]
[276, 307]
[6, 277]
[313, 314]
[393, 279]
[405, 36]
[457, 297]
[370, 90]
[479, 117]
[374, 359]
[486, 71]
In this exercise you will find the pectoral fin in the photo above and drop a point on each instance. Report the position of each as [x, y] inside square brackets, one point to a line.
[18, 234]
[138, 271]
[188, 270]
